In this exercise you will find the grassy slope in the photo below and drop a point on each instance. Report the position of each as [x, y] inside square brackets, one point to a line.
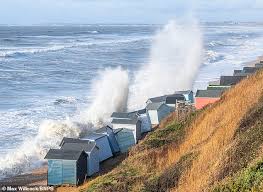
[216, 149]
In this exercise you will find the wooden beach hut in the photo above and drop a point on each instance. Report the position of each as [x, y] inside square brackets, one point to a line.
[133, 125]
[230, 80]
[66, 167]
[125, 139]
[205, 97]
[188, 95]
[90, 148]
[157, 112]
[102, 142]
[108, 131]
[144, 118]
[259, 65]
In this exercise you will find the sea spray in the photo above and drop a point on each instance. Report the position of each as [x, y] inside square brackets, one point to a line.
[110, 94]
[175, 58]
[109, 91]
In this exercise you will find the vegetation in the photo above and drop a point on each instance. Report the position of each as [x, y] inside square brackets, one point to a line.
[142, 171]
[250, 179]
[216, 149]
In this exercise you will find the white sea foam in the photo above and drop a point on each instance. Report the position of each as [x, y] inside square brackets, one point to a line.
[109, 92]
[11, 53]
[175, 58]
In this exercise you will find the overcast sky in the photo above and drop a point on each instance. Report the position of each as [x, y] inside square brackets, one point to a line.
[28, 12]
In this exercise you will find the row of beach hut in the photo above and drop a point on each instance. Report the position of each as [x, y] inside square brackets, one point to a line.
[78, 159]
[215, 89]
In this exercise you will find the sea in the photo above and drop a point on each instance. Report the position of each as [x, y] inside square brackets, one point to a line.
[65, 80]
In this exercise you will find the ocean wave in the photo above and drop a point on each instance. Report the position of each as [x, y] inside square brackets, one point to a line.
[23, 52]
[65, 100]
[9, 53]
[111, 96]
[212, 57]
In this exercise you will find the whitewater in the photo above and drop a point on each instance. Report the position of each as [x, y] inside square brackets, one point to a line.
[66, 81]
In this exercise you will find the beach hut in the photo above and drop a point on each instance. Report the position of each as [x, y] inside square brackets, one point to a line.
[250, 69]
[144, 118]
[205, 97]
[188, 95]
[133, 125]
[125, 115]
[108, 131]
[90, 148]
[217, 87]
[102, 142]
[237, 71]
[230, 80]
[66, 167]
[125, 139]
[157, 111]
[163, 99]
[259, 65]
[215, 82]
[172, 100]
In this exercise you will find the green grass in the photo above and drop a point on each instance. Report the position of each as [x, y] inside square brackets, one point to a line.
[250, 179]
[115, 181]
[172, 133]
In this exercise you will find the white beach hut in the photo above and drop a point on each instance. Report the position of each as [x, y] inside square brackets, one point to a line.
[157, 112]
[133, 125]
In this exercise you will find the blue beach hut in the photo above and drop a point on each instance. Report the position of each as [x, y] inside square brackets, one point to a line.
[102, 142]
[108, 131]
[66, 167]
[90, 148]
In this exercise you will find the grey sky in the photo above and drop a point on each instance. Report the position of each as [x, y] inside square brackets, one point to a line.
[27, 12]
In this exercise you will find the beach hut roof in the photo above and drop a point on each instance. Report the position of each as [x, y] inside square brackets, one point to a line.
[63, 154]
[209, 93]
[259, 65]
[184, 92]
[94, 136]
[104, 129]
[73, 140]
[79, 146]
[124, 115]
[230, 80]
[174, 98]
[117, 130]
[125, 121]
[154, 106]
[163, 98]
[140, 112]
[158, 99]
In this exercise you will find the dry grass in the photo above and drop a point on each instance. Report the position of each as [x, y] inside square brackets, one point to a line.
[212, 134]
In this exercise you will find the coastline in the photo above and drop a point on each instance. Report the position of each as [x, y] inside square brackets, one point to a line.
[38, 176]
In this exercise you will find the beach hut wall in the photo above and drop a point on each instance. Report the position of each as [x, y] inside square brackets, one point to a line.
[205, 97]
[90, 149]
[66, 167]
[108, 131]
[230, 80]
[125, 139]
[132, 124]
[157, 112]
[103, 144]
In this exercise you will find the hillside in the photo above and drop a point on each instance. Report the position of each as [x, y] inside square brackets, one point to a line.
[216, 149]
